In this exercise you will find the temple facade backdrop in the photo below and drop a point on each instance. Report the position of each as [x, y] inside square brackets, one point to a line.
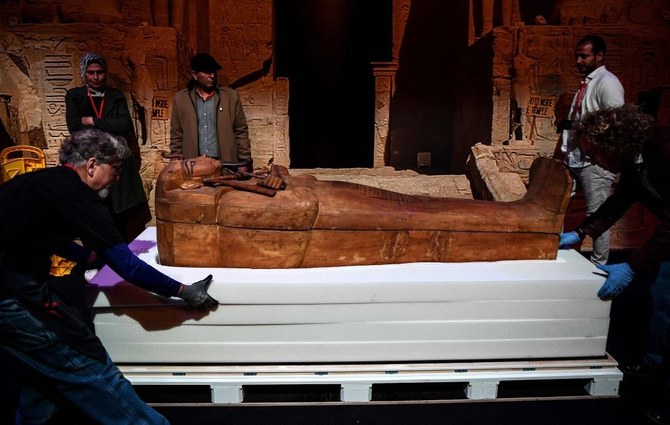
[334, 83]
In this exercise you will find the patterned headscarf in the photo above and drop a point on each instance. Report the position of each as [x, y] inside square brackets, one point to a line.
[88, 59]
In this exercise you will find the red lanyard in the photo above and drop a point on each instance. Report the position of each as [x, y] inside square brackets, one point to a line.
[577, 111]
[98, 113]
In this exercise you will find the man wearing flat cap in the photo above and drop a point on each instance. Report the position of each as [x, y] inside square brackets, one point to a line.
[208, 119]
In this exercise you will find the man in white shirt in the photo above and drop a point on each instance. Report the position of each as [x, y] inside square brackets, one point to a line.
[599, 89]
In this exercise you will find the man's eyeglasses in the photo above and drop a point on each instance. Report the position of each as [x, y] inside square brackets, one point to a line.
[582, 55]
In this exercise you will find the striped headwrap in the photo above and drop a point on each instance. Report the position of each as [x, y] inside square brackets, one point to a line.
[88, 59]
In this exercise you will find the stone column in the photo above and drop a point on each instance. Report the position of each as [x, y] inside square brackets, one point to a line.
[59, 75]
[401, 10]
[281, 146]
[384, 73]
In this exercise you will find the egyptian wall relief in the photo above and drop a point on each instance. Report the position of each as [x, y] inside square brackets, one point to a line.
[535, 77]
[518, 80]
[147, 44]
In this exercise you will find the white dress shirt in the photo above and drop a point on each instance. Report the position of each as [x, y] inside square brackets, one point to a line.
[603, 89]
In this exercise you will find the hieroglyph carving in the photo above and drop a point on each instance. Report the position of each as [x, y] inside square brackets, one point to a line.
[58, 77]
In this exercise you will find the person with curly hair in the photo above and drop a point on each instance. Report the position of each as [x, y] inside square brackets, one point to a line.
[624, 139]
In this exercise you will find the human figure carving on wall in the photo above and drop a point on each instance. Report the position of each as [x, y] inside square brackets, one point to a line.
[510, 13]
[522, 86]
[650, 74]
[579, 12]
[161, 12]
[141, 88]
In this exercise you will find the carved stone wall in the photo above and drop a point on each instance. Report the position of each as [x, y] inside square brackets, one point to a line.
[147, 44]
[40, 63]
[526, 77]
[533, 77]
[504, 90]
[240, 37]
[534, 70]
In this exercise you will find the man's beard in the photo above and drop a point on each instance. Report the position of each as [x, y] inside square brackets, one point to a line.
[103, 193]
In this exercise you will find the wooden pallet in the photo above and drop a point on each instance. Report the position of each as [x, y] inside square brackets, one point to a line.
[481, 379]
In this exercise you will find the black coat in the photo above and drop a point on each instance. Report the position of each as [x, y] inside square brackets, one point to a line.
[129, 190]
[115, 115]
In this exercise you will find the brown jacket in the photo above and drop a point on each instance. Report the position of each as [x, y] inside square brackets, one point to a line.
[231, 126]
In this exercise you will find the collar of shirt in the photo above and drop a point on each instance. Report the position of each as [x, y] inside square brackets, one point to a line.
[596, 72]
[205, 96]
[95, 93]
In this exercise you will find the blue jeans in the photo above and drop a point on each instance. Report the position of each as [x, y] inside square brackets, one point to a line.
[658, 330]
[98, 389]
[596, 182]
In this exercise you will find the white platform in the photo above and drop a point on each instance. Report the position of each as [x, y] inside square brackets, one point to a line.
[480, 380]
[391, 313]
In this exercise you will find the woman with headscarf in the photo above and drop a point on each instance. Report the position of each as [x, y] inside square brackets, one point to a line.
[96, 105]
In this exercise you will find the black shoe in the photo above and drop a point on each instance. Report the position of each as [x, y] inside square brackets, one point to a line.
[659, 416]
[642, 370]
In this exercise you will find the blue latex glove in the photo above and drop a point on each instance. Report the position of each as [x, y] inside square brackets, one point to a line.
[568, 239]
[619, 276]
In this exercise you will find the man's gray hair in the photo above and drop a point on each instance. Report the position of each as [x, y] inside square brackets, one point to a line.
[88, 59]
[92, 143]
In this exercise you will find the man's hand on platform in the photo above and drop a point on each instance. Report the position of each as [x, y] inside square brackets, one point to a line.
[196, 295]
[568, 239]
[619, 276]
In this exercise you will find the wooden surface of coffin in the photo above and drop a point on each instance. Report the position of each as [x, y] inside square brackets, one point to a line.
[201, 245]
[320, 224]
[402, 312]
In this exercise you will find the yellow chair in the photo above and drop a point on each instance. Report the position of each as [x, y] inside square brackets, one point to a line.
[16, 160]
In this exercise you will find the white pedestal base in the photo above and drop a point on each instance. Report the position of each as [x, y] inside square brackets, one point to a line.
[391, 313]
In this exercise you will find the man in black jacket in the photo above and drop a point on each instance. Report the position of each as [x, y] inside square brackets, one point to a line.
[43, 324]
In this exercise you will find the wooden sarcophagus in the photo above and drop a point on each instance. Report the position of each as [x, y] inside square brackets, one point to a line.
[315, 223]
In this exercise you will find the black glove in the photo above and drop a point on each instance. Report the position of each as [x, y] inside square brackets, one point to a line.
[196, 295]
[564, 125]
